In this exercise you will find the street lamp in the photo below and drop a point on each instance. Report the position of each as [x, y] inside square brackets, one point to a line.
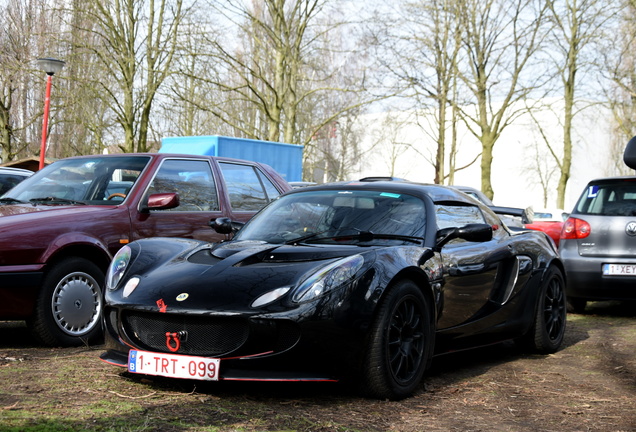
[51, 66]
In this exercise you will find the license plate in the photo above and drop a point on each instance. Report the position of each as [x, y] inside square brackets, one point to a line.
[619, 269]
[174, 366]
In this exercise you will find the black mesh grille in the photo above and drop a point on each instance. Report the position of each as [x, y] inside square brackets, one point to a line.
[208, 336]
[288, 335]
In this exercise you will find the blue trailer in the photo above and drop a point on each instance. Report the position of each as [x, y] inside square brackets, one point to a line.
[287, 159]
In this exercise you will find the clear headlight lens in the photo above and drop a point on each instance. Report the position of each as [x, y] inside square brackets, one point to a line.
[118, 267]
[270, 296]
[329, 277]
[130, 286]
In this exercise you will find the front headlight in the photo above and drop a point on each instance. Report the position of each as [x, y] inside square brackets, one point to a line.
[329, 277]
[118, 267]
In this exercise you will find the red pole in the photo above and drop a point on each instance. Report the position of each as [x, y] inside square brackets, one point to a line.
[45, 121]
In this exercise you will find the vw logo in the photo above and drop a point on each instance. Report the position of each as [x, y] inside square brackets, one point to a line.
[630, 229]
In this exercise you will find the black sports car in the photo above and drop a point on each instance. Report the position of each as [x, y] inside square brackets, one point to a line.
[362, 280]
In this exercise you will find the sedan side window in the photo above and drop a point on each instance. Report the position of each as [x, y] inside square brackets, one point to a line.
[248, 189]
[192, 180]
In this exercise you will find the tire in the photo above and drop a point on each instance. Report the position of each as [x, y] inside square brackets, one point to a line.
[399, 344]
[548, 328]
[576, 305]
[69, 306]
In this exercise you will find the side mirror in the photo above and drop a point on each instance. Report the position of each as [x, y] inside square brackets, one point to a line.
[161, 201]
[629, 156]
[470, 232]
[224, 225]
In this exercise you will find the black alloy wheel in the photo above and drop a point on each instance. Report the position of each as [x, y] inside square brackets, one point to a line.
[548, 330]
[399, 344]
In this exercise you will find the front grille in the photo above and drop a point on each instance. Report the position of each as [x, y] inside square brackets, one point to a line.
[200, 335]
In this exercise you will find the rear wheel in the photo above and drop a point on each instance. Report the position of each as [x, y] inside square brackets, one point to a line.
[548, 330]
[576, 305]
[69, 306]
[399, 343]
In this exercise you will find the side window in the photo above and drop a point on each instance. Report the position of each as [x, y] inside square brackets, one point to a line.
[270, 189]
[192, 180]
[245, 187]
[449, 216]
[457, 216]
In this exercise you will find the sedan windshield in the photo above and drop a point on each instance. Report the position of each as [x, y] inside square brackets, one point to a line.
[328, 216]
[96, 181]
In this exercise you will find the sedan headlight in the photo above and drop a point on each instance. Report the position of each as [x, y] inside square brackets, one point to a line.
[118, 267]
[328, 278]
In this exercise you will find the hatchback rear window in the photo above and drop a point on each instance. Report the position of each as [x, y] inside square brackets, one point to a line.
[608, 198]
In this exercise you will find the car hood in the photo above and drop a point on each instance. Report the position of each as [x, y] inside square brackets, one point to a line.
[224, 278]
[9, 214]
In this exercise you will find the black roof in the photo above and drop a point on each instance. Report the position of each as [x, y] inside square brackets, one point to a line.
[437, 193]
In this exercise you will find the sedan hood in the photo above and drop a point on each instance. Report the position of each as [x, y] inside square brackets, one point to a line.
[48, 211]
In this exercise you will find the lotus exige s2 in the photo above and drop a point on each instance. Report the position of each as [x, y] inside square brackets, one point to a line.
[361, 280]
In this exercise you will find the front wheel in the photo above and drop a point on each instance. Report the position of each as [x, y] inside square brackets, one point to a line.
[548, 330]
[399, 343]
[69, 306]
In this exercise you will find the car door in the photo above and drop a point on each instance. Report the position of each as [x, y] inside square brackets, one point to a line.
[471, 269]
[248, 189]
[197, 187]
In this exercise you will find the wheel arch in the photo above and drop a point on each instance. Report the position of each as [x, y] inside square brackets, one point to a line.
[558, 264]
[87, 251]
[419, 278]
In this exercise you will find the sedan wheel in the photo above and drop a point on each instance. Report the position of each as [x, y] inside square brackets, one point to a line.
[68, 311]
[576, 305]
[399, 344]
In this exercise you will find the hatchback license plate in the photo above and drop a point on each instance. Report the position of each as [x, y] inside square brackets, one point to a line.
[619, 269]
[174, 366]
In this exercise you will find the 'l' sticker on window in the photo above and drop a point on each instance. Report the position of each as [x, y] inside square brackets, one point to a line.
[592, 191]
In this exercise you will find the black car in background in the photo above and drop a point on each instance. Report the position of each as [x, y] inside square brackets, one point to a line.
[9, 177]
[362, 280]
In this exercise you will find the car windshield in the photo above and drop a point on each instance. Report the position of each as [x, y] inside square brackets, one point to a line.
[609, 198]
[96, 181]
[342, 216]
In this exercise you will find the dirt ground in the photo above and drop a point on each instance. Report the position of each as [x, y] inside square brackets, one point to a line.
[589, 385]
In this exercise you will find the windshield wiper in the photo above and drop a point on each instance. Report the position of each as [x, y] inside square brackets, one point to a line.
[365, 236]
[305, 237]
[9, 200]
[54, 200]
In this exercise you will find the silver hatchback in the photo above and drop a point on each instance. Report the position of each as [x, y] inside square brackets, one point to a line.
[598, 243]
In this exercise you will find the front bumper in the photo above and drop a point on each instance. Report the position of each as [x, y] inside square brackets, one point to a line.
[229, 373]
[259, 347]
[18, 291]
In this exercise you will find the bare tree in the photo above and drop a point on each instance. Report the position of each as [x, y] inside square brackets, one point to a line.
[620, 60]
[288, 62]
[23, 30]
[425, 48]
[578, 25]
[501, 38]
[135, 43]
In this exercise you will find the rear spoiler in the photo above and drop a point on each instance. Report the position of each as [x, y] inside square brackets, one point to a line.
[526, 215]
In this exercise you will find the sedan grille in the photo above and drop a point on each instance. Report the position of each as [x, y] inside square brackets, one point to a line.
[199, 335]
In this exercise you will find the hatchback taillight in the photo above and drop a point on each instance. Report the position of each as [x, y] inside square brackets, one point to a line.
[574, 228]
